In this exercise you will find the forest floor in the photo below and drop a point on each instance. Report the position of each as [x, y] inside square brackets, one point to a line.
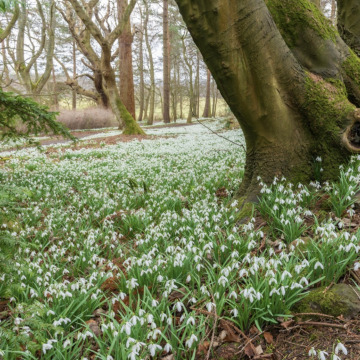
[131, 248]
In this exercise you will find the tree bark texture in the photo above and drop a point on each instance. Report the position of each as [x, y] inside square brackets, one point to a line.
[166, 62]
[287, 76]
[125, 119]
[126, 66]
[150, 118]
[206, 112]
[349, 23]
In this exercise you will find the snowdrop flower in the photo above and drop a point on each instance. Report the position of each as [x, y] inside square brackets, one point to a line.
[210, 306]
[129, 341]
[233, 294]
[66, 343]
[178, 306]
[132, 284]
[153, 348]
[322, 355]
[357, 266]
[312, 352]
[319, 264]
[190, 320]
[284, 274]
[167, 348]
[223, 281]
[340, 348]
[234, 312]
[189, 342]
[109, 357]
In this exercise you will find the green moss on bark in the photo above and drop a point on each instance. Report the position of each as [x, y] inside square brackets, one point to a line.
[131, 126]
[292, 17]
[351, 67]
[328, 111]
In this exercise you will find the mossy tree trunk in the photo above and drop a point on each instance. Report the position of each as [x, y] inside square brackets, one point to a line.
[106, 42]
[288, 77]
[349, 23]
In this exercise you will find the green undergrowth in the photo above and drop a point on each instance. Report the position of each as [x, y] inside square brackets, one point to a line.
[128, 251]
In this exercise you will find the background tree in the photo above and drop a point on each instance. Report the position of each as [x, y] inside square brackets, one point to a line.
[292, 87]
[125, 62]
[106, 40]
[166, 63]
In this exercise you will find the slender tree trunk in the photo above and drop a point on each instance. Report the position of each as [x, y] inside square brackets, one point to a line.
[150, 119]
[197, 84]
[181, 92]
[142, 83]
[4, 33]
[74, 75]
[55, 95]
[126, 67]
[278, 82]
[23, 67]
[147, 106]
[333, 11]
[166, 64]
[206, 112]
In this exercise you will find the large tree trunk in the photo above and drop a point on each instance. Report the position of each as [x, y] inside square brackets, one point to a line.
[349, 23]
[126, 67]
[166, 62]
[286, 82]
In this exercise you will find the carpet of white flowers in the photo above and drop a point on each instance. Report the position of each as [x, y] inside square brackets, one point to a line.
[128, 252]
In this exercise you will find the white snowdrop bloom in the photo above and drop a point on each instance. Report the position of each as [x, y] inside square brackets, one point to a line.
[188, 279]
[189, 342]
[167, 348]
[322, 355]
[335, 357]
[357, 266]
[178, 306]
[340, 348]
[272, 281]
[127, 328]
[233, 294]
[312, 352]
[243, 273]
[304, 281]
[190, 320]
[234, 312]
[130, 341]
[274, 291]
[319, 264]
[109, 357]
[17, 321]
[132, 283]
[153, 348]
[66, 343]
[154, 303]
[210, 306]
[223, 281]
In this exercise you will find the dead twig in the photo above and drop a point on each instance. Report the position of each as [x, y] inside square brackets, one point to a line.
[314, 314]
[314, 323]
